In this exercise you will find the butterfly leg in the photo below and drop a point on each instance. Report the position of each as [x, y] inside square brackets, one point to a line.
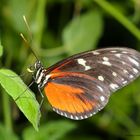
[42, 97]
[24, 91]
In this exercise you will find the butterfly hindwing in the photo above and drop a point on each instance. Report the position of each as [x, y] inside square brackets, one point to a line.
[76, 95]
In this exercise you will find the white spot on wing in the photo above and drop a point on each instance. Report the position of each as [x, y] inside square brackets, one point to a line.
[135, 70]
[133, 61]
[122, 79]
[94, 113]
[131, 76]
[100, 88]
[87, 67]
[95, 52]
[105, 58]
[106, 63]
[123, 62]
[57, 111]
[114, 86]
[124, 52]
[113, 51]
[101, 78]
[83, 63]
[90, 114]
[65, 115]
[118, 55]
[71, 116]
[76, 118]
[124, 82]
[102, 98]
[114, 74]
[61, 113]
[85, 116]
[125, 71]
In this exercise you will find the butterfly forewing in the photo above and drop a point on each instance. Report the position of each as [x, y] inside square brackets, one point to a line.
[81, 85]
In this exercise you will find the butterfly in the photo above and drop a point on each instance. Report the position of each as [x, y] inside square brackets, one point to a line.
[81, 85]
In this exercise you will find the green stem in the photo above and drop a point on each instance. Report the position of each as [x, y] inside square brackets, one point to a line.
[39, 22]
[119, 17]
[6, 104]
[136, 17]
[7, 112]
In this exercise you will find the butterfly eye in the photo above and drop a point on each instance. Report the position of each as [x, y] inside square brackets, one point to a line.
[37, 65]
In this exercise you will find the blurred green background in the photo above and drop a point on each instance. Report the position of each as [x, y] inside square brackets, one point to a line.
[61, 28]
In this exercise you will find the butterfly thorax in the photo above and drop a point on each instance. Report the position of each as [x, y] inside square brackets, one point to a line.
[39, 74]
[41, 78]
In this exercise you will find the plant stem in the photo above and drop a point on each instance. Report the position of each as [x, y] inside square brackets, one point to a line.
[7, 112]
[6, 104]
[119, 17]
[136, 17]
[39, 23]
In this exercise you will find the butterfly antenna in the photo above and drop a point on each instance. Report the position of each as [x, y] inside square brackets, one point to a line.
[28, 43]
[28, 28]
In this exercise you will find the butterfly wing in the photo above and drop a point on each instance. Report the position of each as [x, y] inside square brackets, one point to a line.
[86, 80]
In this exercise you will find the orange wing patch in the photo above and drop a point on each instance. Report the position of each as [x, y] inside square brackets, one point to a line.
[63, 97]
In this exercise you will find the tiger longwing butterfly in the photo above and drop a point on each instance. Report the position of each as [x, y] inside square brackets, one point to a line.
[80, 86]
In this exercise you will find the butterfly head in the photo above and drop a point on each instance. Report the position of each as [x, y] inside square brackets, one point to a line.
[33, 68]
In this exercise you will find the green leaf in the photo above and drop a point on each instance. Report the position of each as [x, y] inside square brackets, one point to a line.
[4, 133]
[51, 131]
[1, 49]
[26, 102]
[83, 33]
